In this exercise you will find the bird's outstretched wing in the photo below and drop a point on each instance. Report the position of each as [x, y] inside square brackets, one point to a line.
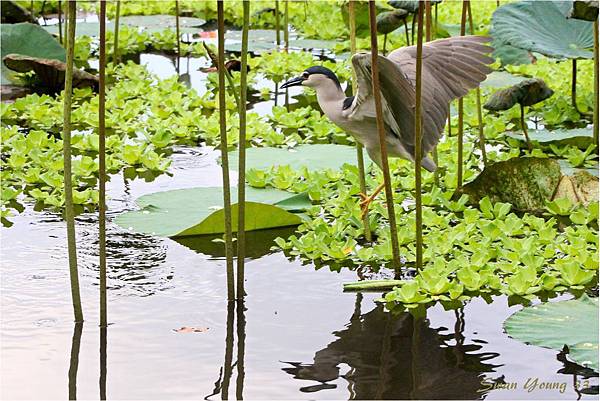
[451, 67]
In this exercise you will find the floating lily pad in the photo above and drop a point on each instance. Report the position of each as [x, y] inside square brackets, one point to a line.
[199, 211]
[263, 40]
[148, 23]
[541, 26]
[580, 137]
[313, 157]
[29, 40]
[573, 323]
[501, 79]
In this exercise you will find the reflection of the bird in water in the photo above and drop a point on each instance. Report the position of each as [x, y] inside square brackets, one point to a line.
[398, 357]
[258, 242]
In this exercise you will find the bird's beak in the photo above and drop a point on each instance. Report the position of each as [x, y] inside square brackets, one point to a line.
[293, 82]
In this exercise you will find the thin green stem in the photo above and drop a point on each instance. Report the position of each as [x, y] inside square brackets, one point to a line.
[428, 35]
[224, 154]
[286, 23]
[241, 230]
[177, 33]
[389, 195]
[277, 24]
[596, 91]
[60, 35]
[459, 166]
[102, 165]
[69, 213]
[524, 128]
[418, 139]
[116, 56]
[478, 98]
[359, 148]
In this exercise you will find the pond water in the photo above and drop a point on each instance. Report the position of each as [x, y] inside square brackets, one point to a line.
[296, 336]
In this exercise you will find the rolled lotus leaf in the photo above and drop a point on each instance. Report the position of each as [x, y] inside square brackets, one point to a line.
[584, 10]
[13, 13]
[50, 72]
[389, 21]
[526, 93]
[412, 6]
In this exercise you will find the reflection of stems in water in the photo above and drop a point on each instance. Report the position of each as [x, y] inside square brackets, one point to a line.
[459, 167]
[224, 155]
[241, 349]
[74, 361]
[414, 352]
[359, 148]
[116, 46]
[227, 368]
[102, 165]
[389, 195]
[384, 358]
[478, 98]
[102, 381]
[418, 140]
[241, 230]
[459, 327]
[69, 213]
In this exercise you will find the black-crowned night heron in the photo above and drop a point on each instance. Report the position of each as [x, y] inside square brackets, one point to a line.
[451, 67]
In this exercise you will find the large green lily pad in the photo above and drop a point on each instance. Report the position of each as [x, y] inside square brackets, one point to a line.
[199, 211]
[580, 137]
[29, 40]
[313, 157]
[541, 26]
[573, 323]
[148, 23]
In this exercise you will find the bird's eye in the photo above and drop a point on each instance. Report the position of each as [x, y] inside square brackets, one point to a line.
[305, 75]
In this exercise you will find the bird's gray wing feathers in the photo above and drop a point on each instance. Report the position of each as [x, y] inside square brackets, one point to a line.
[451, 67]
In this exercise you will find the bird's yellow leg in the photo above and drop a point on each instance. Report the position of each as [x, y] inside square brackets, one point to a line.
[366, 200]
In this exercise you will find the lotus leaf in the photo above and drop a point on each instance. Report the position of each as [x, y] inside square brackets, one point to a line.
[389, 21]
[541, 26]
[198, 211]
[29, 40]
[525, 93]
[573, 323]
[584, 10]
[580, 137]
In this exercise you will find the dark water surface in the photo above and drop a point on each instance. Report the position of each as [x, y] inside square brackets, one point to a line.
[296, 336]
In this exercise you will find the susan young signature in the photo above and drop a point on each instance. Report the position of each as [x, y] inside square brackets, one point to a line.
[532, 384]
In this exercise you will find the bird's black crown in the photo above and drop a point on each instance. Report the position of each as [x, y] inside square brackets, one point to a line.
[317, 69]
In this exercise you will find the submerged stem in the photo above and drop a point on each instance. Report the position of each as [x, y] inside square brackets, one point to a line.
[389, 195]
[69, 213]
[224, 155]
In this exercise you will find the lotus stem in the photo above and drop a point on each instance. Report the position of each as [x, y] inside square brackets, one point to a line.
[69, 213]
[116, 56]
[224, 154]
[241, 349]
[372, 285]
[459, 167]
[406, 32]
[389, 195]
[60, 36]
[241, 229]
[418, 140]
[277, 24]
[524, 128]
[177, 33]
[286, 22]
[434, 152]
[478, 98]
[596, 91]
[412, 30]
[384, 43]
[359, 148]
[102, 165]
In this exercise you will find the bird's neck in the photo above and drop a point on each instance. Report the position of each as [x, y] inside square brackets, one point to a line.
[330, 98]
